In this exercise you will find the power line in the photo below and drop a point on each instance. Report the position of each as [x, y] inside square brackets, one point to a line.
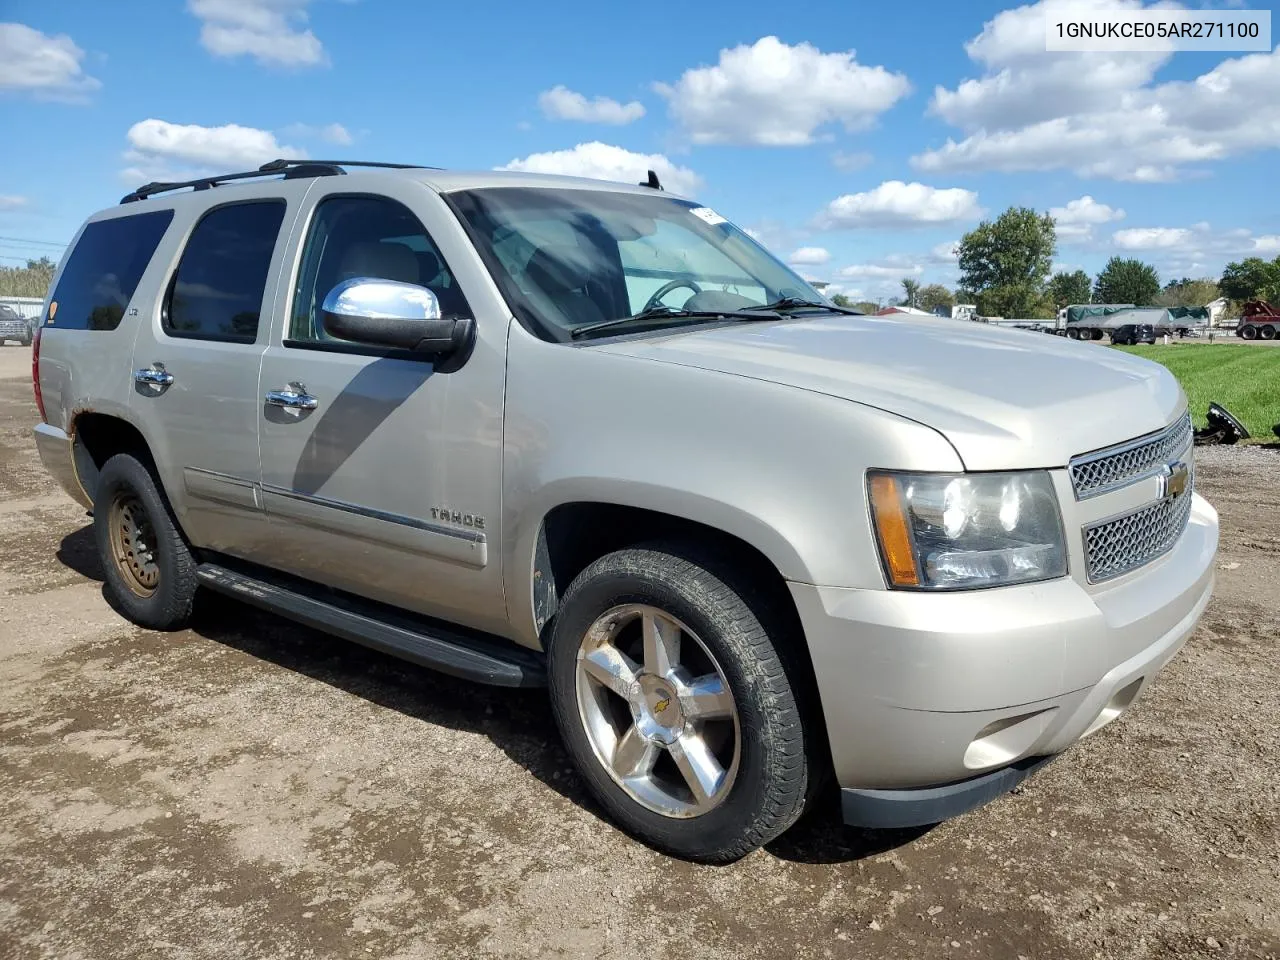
[37, 243]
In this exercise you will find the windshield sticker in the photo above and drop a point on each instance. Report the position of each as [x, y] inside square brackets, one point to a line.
[707, 214]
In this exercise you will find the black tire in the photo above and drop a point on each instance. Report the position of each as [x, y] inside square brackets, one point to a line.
[1249, 332]
[1268, 332]
[778, 759]
[162, 598]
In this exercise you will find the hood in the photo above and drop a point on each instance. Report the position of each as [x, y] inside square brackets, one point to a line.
[1005, 399]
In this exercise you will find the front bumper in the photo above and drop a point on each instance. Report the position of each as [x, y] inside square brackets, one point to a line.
[58, 456]
[921, 690]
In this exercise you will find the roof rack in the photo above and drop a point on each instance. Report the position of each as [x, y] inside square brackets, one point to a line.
[292, 170]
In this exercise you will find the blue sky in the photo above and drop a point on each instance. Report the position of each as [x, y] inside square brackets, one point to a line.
[859, 140]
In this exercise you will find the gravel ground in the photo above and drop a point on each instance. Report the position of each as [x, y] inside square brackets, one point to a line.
[250, 788]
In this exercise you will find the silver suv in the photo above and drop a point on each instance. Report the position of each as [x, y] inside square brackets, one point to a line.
[535, 430]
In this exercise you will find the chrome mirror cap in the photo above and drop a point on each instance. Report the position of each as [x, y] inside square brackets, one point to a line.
[373, 299]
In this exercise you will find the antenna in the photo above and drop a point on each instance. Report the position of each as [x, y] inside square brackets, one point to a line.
[652, 183]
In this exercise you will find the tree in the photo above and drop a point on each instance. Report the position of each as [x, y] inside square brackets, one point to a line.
[1127, 281]
[1006, 262]
[1068, 288]
[30, 281]
[935, 295]
[910, 292]
[840, 300]
[1250, 279]
[866, 306]
[1188, 293]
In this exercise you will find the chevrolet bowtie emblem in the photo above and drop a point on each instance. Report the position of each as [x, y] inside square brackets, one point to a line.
[1173, 482]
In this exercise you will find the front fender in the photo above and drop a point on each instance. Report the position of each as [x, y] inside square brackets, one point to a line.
[778, 467]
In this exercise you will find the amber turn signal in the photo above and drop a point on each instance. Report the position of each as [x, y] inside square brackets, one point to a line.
[891, 525]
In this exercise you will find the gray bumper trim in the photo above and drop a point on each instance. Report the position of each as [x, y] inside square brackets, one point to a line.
[918, 806]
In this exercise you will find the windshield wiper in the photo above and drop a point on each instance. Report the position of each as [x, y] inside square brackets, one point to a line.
[792, 303]
[672, 313]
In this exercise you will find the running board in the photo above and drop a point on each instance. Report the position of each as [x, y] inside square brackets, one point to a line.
[428, 645]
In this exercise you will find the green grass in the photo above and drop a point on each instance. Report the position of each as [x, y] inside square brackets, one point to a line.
[1244, 379]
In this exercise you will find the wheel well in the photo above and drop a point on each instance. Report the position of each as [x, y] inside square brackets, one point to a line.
[575, 534]
[97, 438]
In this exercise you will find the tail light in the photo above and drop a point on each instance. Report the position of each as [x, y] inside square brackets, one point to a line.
[35, 373]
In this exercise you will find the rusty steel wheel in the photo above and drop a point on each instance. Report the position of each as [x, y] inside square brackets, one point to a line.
[149, 570]
[133, 543]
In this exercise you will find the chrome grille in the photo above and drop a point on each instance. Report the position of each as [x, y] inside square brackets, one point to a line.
[1104, 470]
[1116, 546]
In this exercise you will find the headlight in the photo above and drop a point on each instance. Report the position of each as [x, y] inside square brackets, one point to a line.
[940, 531]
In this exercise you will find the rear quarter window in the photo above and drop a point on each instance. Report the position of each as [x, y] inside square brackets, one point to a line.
[103, 271]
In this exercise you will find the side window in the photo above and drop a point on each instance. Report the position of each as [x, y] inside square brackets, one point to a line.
[366, 237]
[217, 291]
[104, 270]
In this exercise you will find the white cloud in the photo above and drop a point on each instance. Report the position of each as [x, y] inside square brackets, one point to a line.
[47, 67]
[11, 202]
[1151, 238]
[809, 257]
[603, 161]
[1075, 222]
[561, 103]
[1199, 250]
[898, 204]
[773, 94]
[159, 150]
[945, 253]
[271, 31]
[334, 133]
[881, 271]
[1099, 114]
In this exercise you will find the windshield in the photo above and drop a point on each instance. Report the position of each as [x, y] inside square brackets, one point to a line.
[567, 259]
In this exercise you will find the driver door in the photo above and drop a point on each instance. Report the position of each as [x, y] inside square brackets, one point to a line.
[381, 475]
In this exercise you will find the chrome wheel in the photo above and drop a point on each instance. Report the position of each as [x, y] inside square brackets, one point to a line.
[133, 545]
[658, 711]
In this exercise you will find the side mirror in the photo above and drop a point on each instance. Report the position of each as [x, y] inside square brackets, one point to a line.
[388, 313]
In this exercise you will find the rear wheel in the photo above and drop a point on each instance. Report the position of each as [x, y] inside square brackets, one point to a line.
[1249, 332]
[1073, 334]
[148, 567]
[676, 706]
[1268, 332]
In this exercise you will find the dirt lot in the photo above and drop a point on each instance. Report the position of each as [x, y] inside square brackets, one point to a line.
[254, 789]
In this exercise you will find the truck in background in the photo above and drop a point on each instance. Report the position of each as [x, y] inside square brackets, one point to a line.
[1259, 320]
[19, 317]
[1092, 320]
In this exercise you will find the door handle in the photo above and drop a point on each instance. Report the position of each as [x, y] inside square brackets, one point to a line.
[294, 398]
[154, 375]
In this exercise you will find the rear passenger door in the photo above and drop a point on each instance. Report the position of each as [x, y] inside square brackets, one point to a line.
[196, 364]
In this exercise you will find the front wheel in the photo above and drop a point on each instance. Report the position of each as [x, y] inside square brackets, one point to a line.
[676, 706]
[148, 567]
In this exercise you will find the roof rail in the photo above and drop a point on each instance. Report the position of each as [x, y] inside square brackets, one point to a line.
[292, 170]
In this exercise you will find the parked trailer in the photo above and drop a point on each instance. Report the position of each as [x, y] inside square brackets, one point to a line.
[1092, 321]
